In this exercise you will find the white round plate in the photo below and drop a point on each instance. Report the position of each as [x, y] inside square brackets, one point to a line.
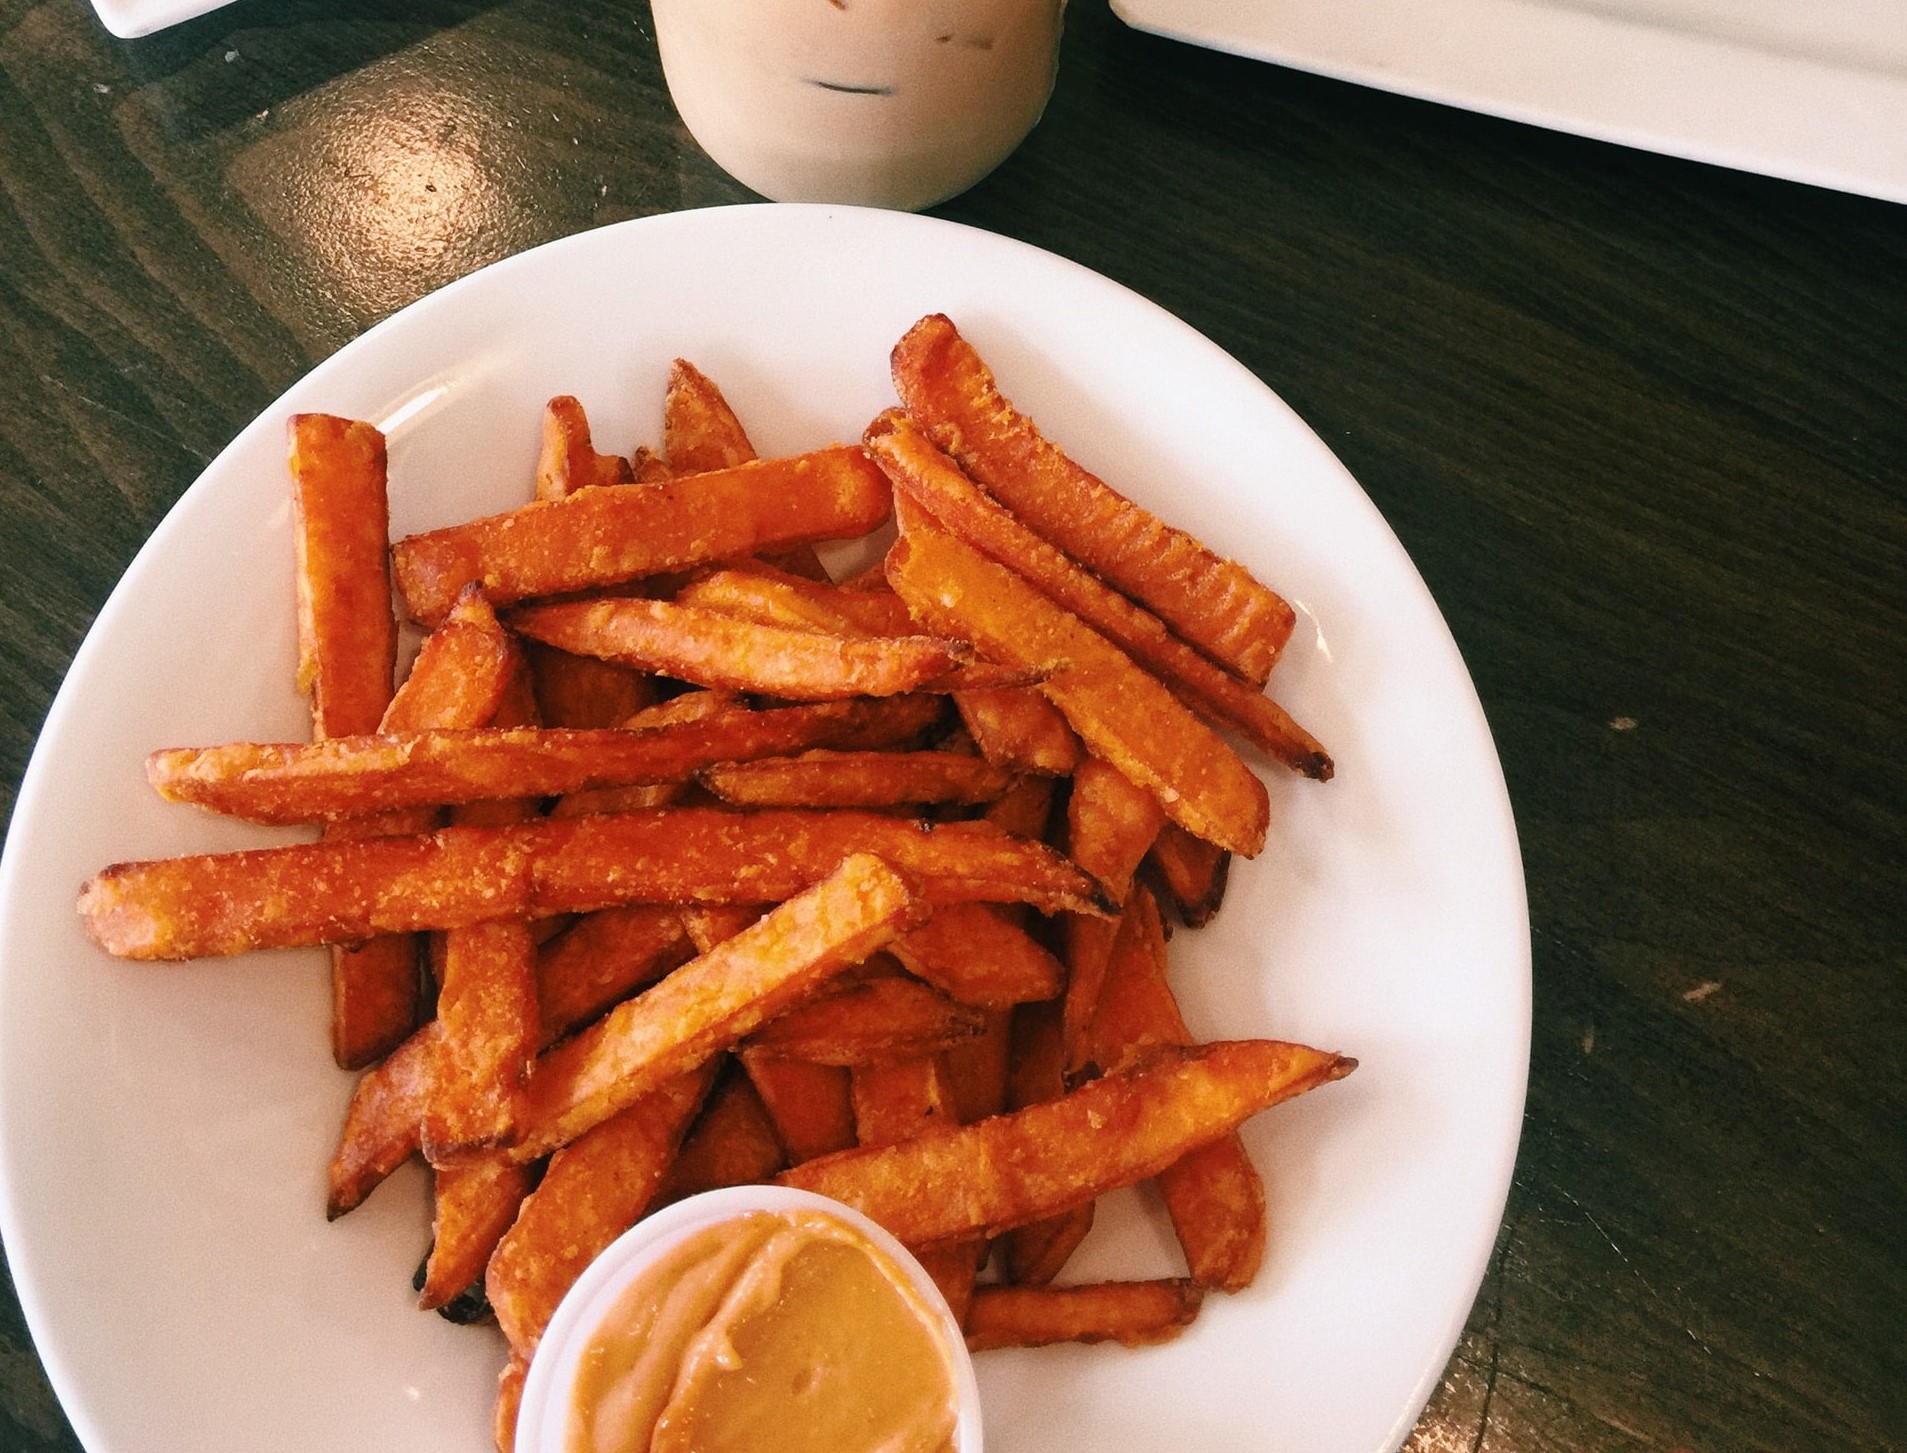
[164, 1128]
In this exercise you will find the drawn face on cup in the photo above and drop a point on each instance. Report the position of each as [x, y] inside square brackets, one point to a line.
[897, 103]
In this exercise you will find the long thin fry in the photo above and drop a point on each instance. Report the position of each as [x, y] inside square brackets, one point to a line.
[474, 1205]
[600, 537]
[1132, 1313]
[874, 1021]
[1036, 1162]
[825, 778]
[974, 954]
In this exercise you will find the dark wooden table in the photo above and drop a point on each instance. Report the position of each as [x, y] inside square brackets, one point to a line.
[1642, 425]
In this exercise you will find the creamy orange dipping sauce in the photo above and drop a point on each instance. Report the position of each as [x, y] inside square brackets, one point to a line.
[789, 1332]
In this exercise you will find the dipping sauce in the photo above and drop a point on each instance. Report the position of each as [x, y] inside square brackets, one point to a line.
[784, 1331]
[882, 103]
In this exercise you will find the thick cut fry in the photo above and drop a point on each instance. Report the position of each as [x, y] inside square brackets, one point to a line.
[712, 1002]
[973, 954]
[1120, 712]
[778, 598]
[293, 782]
[487, 1038]
[857, 779]
[475, 1204]
[569, 461]
[1045, 1159]
[732, 1143]
[461, 674]
[309, 893]
[601, 959]
[382, 1125]
[347, 636]
[873, 1021]
[1017, 728]
[580, 691]
[1132, 1313]
[934, 483]
[600, 537]
[1033, 1254]
[809, 1104]
[1191, 873]
[712, 648]
[593, 1191]
[1109, 825]
[1213, 602]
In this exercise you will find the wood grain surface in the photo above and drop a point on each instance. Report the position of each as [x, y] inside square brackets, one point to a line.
[1640, 423]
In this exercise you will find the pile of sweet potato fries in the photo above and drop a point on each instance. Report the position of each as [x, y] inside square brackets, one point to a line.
[673, 863]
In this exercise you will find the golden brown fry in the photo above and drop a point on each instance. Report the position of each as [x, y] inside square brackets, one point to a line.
[972, 953]
[580, 691]
[935, 484]
[977, 1068]
[1033, 1254]
[823, 778]
[308, 893]
[487, 1038]
[1132, 1313]
[1045, 1159]
[383, 1121]
[475, 1204]
[732, 1143]
[603, 537]
[710, 924]
[809, 1104]
[1120, 712]
[293, 782]
[1026, 810]
[601, 959]
[713, 648]
[1017, 728]
[872, 1021]
[1191, 873]
[347, 636]
[1213, 602]
[463, 670]
[773, 597]
[714, 1001]
[700, 432]
[594, 1190]
[569, 461]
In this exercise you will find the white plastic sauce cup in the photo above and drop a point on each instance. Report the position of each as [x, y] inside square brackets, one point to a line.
[543, 1418]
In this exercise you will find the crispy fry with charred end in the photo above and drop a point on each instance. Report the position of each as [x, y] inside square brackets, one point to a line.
[856, 779]
[872, 1021]
[383, 1121]
[293, 782]
[569, 461]
[1191, 872]
[1037, 1162]
[1213, 602]
[1017, 728]
[474, 1205]
[1214, 1195]
[594, 1190]
[347, 636]
[1132, 1313]
[713, 648]
[487, 1038]
[603, 537]
[935, 484]
[714, 1001]
[732, 1143]
[972, 953]
[1032, 1255]
[772, 597]
[809, 1104]
[229, 903]
[1121, 713]
[581, 691]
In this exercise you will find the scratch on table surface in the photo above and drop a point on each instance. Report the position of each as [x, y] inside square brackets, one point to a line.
[1494, 1367]
[1701, 991]
[1634, 1270]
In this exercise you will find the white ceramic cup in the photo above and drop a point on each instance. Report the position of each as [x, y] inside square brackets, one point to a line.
[543, 1418]
[877, 103]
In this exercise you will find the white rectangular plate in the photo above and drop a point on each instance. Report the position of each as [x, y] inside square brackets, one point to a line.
[1811, 90]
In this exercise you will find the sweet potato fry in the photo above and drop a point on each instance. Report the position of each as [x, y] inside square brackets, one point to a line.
[580, 691]
[475, 1204]
[809, 1104]
[1213, 602]
[700, 432]
[1191, 873]
[869, 1022]
[973, 954]
[463, 670]
[568, 460]
[509, 1402]
[307, 893]
[935, 484]
[293, 782]
[712, 648]
[603, 537]
[601, 959]
[347, 636]
[1033, 1254]
[714, 1001]
[382, 1125]
[1026, 809]
[773, 597]
[1132, 1313]
[1036, 1162]
[594, 1190]
[856, 779]
[710, 924]
[1213, 1195]
[732, 1143]
[1120, 712]
[487, 1038]
[977, 1068]
[1017, 728]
